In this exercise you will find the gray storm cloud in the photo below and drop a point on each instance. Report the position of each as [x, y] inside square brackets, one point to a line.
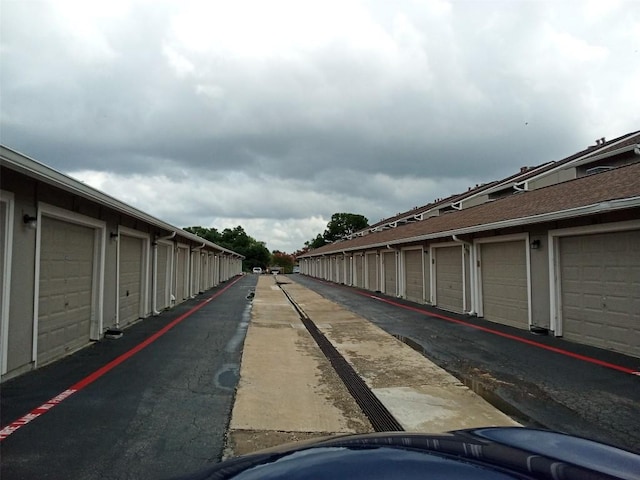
[368, 107]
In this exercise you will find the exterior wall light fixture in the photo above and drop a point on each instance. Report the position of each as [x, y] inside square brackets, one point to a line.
[535, 245]
[30, 222]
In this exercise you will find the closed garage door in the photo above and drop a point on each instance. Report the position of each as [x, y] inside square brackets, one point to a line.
[182, 269]
[427, 276]
[163, 277]
[66, 288]
[413, 275]
[390, 276]
[338, 274]
[204, 272]
[359, 273]
[348, 265]
[130, 279]
[504, 283]
[372, 272]
[332, 269]
[600, 290]
[449, 278]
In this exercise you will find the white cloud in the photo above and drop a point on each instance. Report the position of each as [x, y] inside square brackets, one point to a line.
[82, 24]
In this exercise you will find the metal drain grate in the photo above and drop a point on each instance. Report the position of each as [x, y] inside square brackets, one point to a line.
[380, 418]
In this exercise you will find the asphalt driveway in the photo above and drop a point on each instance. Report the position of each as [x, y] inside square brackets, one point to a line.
[542, 381]
[161, 413]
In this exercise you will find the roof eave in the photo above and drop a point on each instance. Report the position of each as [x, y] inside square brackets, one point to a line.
[28, 166]
[596, 208]
[612, 153]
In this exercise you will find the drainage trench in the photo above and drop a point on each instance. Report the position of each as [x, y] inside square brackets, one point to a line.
[380, 418]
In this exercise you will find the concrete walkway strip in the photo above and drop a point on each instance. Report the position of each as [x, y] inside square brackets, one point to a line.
[288, 391]
[422, 396]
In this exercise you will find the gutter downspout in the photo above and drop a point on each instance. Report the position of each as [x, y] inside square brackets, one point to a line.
[115, 331]
[472, 279]
[167, 237]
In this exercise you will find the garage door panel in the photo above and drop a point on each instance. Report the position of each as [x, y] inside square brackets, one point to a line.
[616, 276]
[359, 273]
[130, 278]
[389, 260]
[181, 269]
[372, 272]
[504, 283]
[449, 278]
[599, 294]
[65, 288]
[414, 276]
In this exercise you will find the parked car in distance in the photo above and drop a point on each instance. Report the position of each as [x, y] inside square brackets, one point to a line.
[257, 270]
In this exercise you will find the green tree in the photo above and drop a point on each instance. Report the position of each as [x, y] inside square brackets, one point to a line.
[236, 239]
[282, 260]
[342, 224]
[256, 255]
[317, 242]
[210, 234]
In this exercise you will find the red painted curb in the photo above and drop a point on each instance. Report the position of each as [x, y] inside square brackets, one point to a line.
[567, 353]
[89, 379]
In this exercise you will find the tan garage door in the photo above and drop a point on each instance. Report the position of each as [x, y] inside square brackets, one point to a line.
[372, 272]
[413, 275]
[390, 275]
[204, 265]
[359, 273]
[181, 274]
[332, 269]
[66, 288]
[504, 283]
[600, 290]
[449, 278]
[427, 276]
[348, 267]
[163, 277]
[130, 279]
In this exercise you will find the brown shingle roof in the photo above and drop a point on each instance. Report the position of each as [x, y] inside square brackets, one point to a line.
[617, 143]
[523, 208]
[610, 145]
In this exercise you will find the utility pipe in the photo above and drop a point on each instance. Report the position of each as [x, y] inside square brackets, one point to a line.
[167, 237]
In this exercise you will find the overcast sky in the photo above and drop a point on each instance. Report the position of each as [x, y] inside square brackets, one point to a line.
[274, 114]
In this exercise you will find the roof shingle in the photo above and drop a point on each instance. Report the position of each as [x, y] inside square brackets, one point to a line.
[617, 184]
